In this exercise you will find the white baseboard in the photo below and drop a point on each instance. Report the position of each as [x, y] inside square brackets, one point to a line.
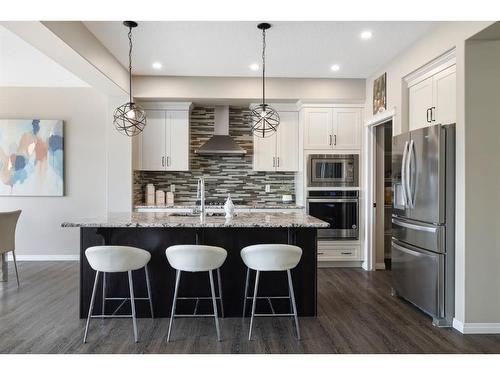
[43, 258]
[476, 328]
[380, 266]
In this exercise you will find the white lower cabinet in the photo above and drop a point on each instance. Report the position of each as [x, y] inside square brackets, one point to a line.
[334, 251]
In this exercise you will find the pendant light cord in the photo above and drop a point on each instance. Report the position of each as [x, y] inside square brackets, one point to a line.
[264, 69]
[130, 63]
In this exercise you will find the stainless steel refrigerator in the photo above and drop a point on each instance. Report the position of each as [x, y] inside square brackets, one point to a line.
[423, 220]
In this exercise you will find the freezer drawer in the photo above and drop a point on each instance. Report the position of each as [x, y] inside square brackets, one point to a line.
[418, 276]
[426, 236]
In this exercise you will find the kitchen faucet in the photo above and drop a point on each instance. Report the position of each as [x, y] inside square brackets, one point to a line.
[200, 194]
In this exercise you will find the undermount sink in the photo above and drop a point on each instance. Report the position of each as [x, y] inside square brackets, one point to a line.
[194, 214]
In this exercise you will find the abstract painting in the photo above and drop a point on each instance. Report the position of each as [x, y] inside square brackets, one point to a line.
[31, 157]
[380, 94]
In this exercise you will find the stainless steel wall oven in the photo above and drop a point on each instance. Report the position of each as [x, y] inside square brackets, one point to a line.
[337, 207]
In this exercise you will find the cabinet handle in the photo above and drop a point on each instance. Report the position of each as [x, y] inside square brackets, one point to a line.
[278, 161]
[163, 161]
[427, 114]
[335, 140]
[432, 114]
[274, 162]
[330, 141]
[168, 161]
[346, 253]
[321, 253]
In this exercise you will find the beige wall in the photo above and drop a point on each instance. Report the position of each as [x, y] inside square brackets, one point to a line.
[84, 112]
[450, 35]
[241, 90]
[482, 205]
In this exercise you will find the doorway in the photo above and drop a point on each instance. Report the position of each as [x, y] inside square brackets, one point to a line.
[383, 194]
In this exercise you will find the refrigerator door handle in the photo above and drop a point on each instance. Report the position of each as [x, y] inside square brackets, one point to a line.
[409, 193]
[403, 174]
[414, 226]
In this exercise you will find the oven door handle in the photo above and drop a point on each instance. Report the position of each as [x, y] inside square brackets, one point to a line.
[336, 200]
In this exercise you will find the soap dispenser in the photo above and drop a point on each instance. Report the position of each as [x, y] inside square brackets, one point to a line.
[229, 207]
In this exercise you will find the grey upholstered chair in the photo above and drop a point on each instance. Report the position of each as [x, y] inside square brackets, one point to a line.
[8, 223]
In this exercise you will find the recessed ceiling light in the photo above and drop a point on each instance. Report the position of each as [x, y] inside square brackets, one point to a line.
[254, 67]
[367, 34]
[335, 68]
[157, 65]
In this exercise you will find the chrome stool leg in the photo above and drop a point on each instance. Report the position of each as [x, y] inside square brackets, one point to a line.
[92, 300]
[246, 292]
[15, 266]
[219, 283]
[132, 304]
[253, 303]
[292, 294]
[148, 285]
[214, 303]
[177, 280]
[103, 294]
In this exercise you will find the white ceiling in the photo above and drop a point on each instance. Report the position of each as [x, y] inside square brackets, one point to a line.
[294, 49]
[22, 65]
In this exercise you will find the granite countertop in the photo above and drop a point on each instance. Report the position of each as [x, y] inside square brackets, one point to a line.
[236, 206]
[168, 220]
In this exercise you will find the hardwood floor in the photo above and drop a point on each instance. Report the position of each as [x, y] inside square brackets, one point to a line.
[356, 314]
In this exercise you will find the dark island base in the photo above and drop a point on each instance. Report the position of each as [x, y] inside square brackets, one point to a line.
[162, 276]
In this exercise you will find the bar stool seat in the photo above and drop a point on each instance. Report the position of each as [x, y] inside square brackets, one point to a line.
[270, 257]
[112, 259]
[196, 258]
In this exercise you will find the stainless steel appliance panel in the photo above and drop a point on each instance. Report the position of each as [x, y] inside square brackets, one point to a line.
[427, 236]
[425, 177]
[399, 153]
[419, 277]
[333, 170]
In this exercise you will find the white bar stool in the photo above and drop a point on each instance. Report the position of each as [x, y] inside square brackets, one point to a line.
[196, 258]
[107, 259]
[270, 257]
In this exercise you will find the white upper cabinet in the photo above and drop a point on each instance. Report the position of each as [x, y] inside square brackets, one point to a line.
[432, 98]
[280, 151]
[318, 128]
[445, 96]
[332, 128]
[164, 142]
[420, 99]
[346, 128]
[152, 142]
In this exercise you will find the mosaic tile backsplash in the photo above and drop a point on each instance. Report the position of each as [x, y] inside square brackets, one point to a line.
[223, 173]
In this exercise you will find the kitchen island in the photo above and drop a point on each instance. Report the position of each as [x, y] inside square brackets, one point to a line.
[155, 231]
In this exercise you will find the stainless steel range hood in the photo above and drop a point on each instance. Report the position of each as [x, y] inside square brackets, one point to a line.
[221, 142]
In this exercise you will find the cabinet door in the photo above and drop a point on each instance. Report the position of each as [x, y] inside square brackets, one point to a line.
[288, 142]
[445, 96]
[177, 141]
[318, 128]
[153, 142]
[419, 101]
[264, 153]
[347, 128]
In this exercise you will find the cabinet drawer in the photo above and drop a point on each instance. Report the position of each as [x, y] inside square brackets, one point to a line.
[328, 252]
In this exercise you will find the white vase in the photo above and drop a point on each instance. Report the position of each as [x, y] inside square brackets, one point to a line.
[229, 207]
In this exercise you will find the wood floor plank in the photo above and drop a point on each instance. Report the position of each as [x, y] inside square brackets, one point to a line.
[356, 314]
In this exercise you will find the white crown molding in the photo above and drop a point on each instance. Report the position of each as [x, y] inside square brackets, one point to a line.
[476, 328]
[44, 257]
[330, 104]
[441, 62]
[280, 107]
[169, 106]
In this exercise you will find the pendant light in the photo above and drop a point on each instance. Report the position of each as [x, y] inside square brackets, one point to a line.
[129, 118]
[265, 119]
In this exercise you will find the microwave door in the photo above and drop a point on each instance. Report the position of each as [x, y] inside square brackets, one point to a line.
[400, 144]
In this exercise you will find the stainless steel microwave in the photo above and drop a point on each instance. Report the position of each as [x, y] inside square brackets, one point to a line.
[333, 170]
